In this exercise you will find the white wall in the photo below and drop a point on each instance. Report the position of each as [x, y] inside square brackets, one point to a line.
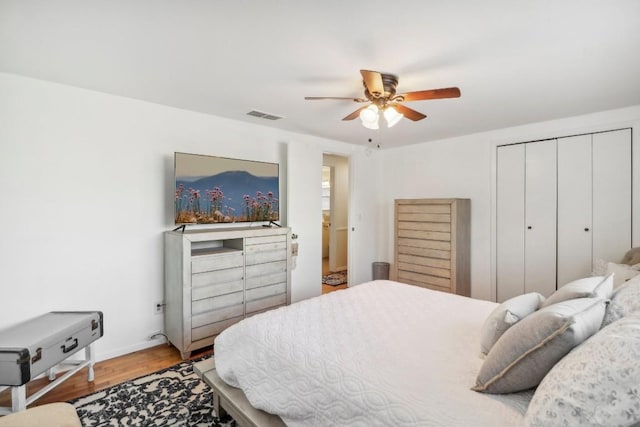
[463, 167]
[87, 193]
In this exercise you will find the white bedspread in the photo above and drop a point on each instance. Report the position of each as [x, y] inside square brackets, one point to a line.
[381, 353]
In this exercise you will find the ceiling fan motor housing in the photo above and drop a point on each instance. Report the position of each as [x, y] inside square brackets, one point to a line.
[389, 83]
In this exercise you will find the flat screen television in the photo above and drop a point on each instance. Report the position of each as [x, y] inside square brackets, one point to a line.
[211, 190]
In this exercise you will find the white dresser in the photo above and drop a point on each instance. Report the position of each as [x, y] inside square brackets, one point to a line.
[215, 278]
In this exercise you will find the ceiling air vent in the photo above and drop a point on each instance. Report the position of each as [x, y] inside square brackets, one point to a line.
[263, 115]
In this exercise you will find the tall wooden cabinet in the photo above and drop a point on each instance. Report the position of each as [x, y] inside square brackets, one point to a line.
[432, 248]
[561, 204]
[215, 278]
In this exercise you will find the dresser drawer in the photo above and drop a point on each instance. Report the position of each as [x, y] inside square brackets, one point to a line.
[216, 303]
[266, 256]
[217, 277]
[217, 315]
[215, 262]
[214, 290]
[265, 239]
[266, 279]
[265, 303]
[257, 270]
[213, 329]
[266, 291]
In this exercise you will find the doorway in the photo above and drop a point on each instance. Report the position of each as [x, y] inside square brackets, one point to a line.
[335, 222]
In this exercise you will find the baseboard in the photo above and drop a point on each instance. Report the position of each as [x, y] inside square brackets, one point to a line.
[130, 349]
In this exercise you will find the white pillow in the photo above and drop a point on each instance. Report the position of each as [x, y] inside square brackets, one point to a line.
[589, 287]
[622, 272]
[529, 349]
[597, 384]
[506, 315]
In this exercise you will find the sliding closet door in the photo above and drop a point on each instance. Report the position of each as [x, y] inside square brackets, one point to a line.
[540, 217]
[611, 194]
[510, 222]
[574, 208]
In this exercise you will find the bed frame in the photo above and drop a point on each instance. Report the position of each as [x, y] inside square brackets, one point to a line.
[232, 401]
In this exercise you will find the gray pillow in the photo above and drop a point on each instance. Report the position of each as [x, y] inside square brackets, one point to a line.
[597, 384]
[506, 315]
[624, 301]
[529, 349]
[589, 287]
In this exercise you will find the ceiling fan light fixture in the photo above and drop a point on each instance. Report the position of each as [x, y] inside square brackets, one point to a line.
[392, 116]
[369, 114]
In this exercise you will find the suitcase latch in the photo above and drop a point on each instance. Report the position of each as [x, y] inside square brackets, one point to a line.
[94, 324]
[37, 356]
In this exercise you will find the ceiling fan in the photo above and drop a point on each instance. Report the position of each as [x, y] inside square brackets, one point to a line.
[380, 93]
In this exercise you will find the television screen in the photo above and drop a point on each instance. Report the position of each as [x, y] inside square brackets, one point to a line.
[213, 190]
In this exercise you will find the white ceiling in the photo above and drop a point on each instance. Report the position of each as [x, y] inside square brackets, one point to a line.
[515, 61]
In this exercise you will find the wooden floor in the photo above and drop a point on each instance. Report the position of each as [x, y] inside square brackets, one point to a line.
[326, 270]
[107, 373]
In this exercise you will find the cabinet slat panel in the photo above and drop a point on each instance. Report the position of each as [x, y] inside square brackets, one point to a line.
[423, 269]
[266, 291]
[198, 293]
[427, 235]
[217, 315]
[424, 226]
[215, 303]
[421, 260]
[417, 208]
[427, 253]
[267, 268]
[268, 279]
[215, 262]
[214, 277]
[266, 247]
[425, 285]
[265, 239]
[266, 256]
[261, 304]
[427, 244]
[424, 217]
[213, 329]
[423, 278]
[253, 313]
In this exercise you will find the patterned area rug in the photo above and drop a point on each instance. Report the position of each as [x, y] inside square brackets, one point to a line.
[171, 397]
[335, 279]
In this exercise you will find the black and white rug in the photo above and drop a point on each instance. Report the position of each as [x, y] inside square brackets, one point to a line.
[171, 397]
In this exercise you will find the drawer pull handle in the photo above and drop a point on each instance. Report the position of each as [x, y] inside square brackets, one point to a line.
[94, 324]
[66, 349]
[37, 356]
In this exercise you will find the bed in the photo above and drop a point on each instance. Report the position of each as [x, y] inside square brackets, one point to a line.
[384, 353]
[380, 353]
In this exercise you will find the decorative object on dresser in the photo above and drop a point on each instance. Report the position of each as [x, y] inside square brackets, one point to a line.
[38, 345]
[215, 278]
[432, 244]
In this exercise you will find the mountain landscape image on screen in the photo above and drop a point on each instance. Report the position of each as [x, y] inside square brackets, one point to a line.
[230, 196]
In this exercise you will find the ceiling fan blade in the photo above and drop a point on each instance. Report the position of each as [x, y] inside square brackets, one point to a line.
[373, 82]
[408, 112]
[355, 113]
[315, 98]
[421, 95]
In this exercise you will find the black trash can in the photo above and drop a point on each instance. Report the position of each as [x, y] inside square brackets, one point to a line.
[380, 270]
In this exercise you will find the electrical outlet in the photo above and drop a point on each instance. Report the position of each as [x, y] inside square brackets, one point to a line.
[158, 307]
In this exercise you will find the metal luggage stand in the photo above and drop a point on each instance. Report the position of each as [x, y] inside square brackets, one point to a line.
[19, 399]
